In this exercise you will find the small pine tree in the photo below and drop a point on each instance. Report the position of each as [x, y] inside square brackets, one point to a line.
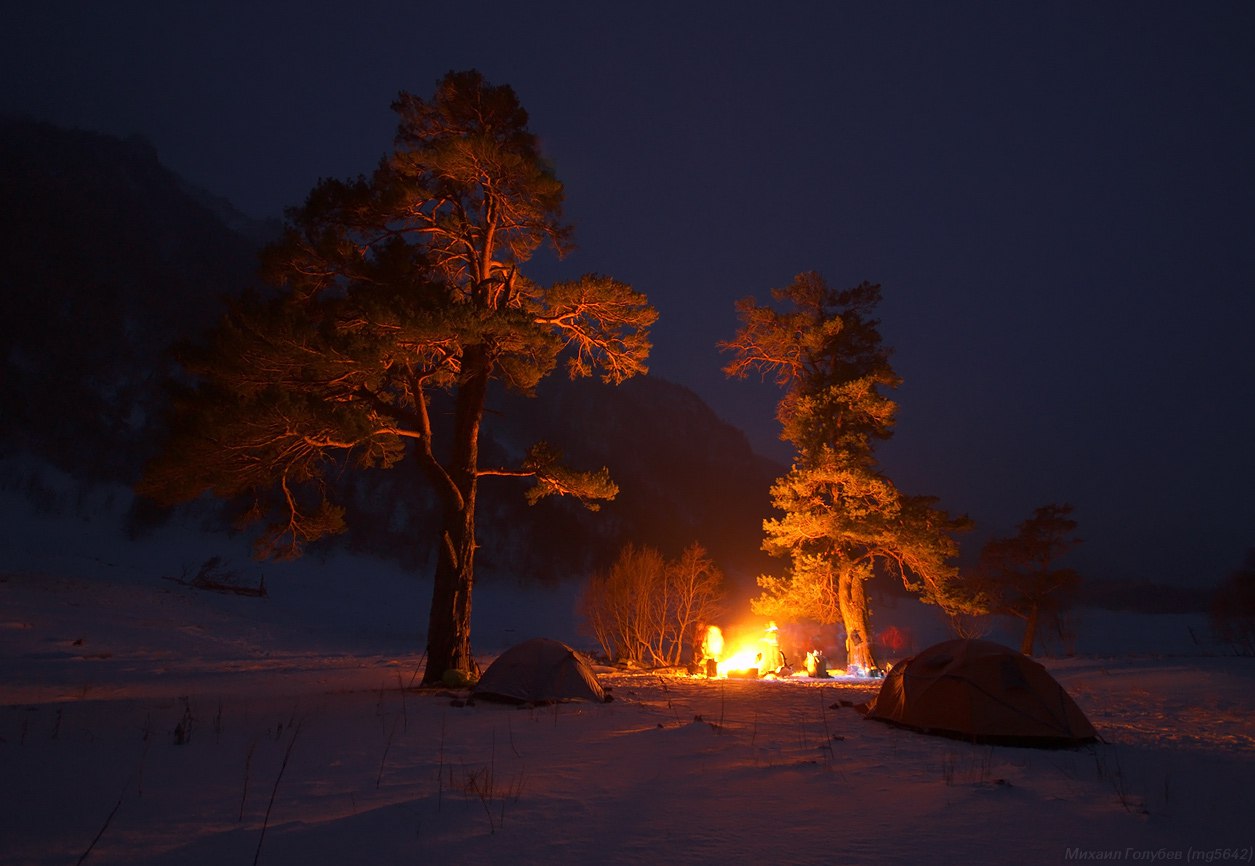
[1020, 575]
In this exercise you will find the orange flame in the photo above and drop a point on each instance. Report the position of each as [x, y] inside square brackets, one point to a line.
[761, 653]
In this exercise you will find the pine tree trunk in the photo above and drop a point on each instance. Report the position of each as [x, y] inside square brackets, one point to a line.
[1030, 629]
[852, 597]
[449, 622]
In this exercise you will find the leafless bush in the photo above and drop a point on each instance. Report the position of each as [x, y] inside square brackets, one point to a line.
[648, 610]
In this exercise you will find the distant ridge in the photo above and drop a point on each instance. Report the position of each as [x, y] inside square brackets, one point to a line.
[107, 259]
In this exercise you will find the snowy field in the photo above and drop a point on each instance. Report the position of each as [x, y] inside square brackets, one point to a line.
[146, 722]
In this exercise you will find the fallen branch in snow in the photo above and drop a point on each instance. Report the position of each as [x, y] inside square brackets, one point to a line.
[215, 577]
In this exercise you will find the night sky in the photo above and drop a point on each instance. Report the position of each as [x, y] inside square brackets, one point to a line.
[1057, 198]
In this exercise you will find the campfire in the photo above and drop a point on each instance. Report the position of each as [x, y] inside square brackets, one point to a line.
[756, 655]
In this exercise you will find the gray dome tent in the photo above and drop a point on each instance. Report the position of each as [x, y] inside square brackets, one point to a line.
[982, 691]
[539, 671]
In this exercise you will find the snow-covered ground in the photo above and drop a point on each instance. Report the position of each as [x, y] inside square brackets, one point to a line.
[143, 721]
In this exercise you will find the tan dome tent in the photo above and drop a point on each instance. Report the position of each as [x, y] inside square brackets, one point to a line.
[981, 691]
[539, 671]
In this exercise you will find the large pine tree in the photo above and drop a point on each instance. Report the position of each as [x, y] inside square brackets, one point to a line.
[842, 518]
[387, 293]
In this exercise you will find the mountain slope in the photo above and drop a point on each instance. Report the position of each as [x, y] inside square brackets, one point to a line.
[108, 258]
[105, 260]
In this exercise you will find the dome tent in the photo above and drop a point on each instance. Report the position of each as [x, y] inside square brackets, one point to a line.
[539, 671]
[982, 691]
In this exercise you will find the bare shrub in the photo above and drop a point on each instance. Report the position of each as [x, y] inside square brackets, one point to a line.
[648, 610]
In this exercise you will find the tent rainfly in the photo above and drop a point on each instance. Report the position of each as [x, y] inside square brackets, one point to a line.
[539, 671]
[981, 691]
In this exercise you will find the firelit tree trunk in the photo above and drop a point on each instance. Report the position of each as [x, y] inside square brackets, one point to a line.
[852, 597]
[449, 623]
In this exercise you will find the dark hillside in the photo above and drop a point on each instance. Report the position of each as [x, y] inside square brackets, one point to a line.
[107, 259]
[684, 474]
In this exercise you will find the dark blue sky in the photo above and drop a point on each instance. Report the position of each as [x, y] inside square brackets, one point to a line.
[1058, 199]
